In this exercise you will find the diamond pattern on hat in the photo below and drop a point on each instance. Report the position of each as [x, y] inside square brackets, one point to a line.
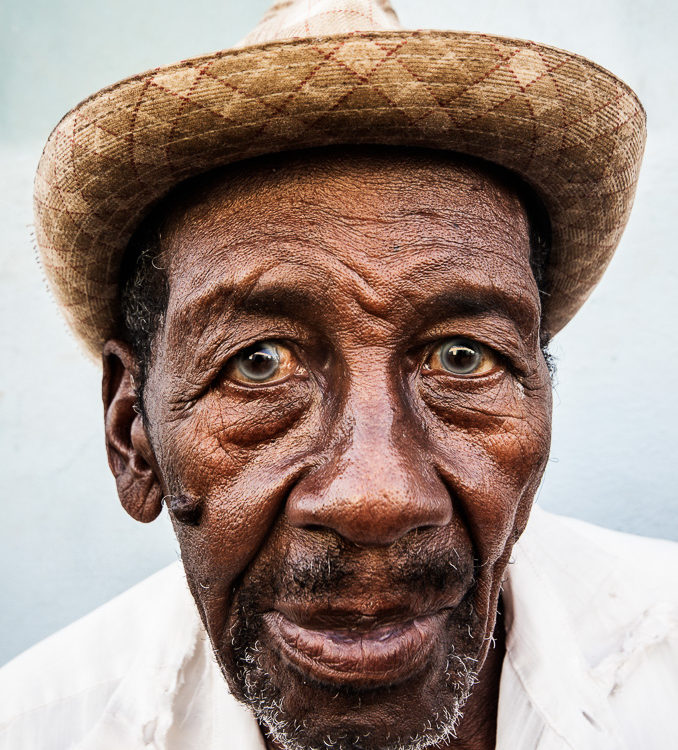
[322, 72]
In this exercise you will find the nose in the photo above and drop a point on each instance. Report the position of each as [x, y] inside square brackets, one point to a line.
[376, 486]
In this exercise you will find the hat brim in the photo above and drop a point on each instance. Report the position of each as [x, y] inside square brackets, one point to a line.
[570, 128]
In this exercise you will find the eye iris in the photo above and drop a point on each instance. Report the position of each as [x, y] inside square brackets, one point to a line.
[460, 357]
[260, 362]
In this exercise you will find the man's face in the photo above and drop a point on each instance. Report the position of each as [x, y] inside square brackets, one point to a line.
[348, 385]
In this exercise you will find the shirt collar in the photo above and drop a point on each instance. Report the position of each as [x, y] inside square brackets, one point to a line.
[543, 653]
[174, 690]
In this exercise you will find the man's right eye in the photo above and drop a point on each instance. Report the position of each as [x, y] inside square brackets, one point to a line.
[262, 363]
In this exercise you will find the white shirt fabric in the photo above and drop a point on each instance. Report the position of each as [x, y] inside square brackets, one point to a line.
[591, 659]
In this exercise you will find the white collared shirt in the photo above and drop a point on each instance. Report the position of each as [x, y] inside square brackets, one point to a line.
[591, 659]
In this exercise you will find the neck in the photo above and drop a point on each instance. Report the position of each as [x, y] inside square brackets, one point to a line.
[478, 728]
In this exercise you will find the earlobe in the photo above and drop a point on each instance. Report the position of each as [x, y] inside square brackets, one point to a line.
[130, 454]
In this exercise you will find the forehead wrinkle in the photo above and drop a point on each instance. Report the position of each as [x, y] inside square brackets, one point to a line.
[403, 224]
[363, 291]
[354, 233]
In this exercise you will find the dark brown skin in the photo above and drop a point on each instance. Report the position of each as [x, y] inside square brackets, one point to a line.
[364, 485]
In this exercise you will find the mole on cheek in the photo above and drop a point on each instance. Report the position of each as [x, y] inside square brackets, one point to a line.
[184, 508]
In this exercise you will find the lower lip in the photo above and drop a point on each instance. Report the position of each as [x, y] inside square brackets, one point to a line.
[376, 658]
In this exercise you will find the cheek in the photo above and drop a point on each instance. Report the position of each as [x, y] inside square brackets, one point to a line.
[491, 450]
[238, 458]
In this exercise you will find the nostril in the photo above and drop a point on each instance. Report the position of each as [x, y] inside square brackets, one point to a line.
[314, 527]
[424, 529]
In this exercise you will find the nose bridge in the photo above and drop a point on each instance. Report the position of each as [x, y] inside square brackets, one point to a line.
[374, 456]
[376, 484]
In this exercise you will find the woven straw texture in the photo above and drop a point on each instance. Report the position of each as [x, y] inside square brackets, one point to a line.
[340, 73]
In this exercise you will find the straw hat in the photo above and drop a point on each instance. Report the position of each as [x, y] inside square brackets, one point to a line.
[320, 72]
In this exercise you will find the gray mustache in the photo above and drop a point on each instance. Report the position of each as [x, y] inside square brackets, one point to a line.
[316, 575]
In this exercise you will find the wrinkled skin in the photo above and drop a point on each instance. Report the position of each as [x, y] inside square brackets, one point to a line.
[368, 486]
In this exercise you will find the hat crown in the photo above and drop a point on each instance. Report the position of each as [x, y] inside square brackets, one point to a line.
[290, 19]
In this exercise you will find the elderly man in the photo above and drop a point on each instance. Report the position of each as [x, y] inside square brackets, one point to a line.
[322, 270]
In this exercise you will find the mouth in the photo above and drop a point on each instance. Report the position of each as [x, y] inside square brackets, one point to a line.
[356, 654]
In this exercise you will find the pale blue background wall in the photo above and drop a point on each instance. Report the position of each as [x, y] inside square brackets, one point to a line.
[65, 544]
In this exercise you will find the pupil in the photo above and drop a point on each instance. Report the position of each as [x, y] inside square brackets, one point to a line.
[461, 358]
[260, 363]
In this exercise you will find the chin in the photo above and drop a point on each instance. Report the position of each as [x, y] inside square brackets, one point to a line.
[406, 692]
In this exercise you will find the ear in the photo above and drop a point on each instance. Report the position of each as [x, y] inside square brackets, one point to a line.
[130, 455]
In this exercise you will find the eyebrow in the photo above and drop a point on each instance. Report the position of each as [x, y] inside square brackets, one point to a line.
[476, 300]
[290, 301]
[279, 299]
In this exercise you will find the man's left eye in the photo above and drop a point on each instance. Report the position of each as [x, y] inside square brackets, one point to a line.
[463, 357]
[262, 363]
